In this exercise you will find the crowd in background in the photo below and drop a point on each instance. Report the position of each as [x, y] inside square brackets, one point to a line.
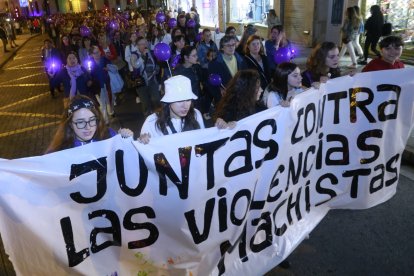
[101, 55]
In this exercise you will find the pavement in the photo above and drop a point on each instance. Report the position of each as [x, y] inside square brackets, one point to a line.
[28, 120]
[21, 40]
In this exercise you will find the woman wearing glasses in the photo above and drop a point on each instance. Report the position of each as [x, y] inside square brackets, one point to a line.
[82, 123]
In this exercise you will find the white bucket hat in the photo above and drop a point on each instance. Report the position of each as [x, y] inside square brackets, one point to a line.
[178, 88]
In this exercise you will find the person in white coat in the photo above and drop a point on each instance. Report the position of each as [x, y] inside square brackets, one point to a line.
[177, 113]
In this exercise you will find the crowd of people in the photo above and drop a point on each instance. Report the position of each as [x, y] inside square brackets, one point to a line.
[93, 55]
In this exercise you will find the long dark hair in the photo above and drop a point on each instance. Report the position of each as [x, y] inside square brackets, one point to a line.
[163, 117]
[279, 82]
[376, 12]
[174, 40]
[65, 136]
[239, 101]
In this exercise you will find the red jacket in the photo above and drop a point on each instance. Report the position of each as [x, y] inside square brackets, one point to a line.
[112, 52]
[379, 64]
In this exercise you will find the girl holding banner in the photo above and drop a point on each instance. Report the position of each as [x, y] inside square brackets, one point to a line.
[177, 113]
[82, 123]
[286, 84]
[322, 65]
[240, 100]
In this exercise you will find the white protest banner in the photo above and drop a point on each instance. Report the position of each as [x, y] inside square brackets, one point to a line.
[209, 201]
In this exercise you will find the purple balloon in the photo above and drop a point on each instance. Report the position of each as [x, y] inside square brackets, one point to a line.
[114, 25]
[84, 31]
[283, 54]
[160, 17]
[191, 23]
[214, 79]
[175, 61]
[162, 51]
[172, 22]
[199, 36]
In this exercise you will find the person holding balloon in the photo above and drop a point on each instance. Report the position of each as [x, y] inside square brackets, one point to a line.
[101, 82]
[226, 65]
[145, 66]
[278, 48]
[177, 45]
[157, 36]
[75, 78]
[255, 59]
[177, 113]
[322, 64]
[52, 62]
[83, 51]
[286, 84]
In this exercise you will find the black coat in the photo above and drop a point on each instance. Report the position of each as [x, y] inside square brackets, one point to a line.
[263, 72]
[219, 67]
[3, 34]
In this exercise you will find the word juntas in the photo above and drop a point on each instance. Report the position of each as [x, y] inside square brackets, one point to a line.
[310, 120]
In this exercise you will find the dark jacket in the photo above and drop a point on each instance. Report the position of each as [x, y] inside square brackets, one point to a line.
[202, 50]
[194, 73]
[263, 72]
[53, 55]
[3, 34]
[81, 82]
[219, 67]
[308, 77]
[373, 26]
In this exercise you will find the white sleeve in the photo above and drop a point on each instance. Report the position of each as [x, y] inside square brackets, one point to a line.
[128, 57]
[273, 99]
[167, 39]
[150, 127]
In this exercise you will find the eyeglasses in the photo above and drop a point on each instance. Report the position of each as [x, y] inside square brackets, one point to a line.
[82, 124]
[230, 45]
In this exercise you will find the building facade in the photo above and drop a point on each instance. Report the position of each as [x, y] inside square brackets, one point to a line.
[306, 21]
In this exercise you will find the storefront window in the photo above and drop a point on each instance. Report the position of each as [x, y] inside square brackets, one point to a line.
[180, 5]
[208, 10]
[400, 13]
[249, 10]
